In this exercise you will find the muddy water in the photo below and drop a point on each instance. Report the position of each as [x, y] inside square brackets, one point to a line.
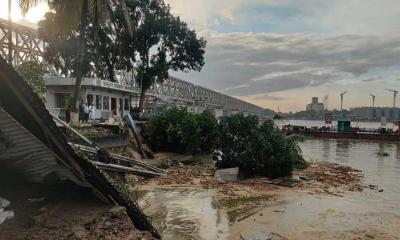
[186, 213]
[191, 214]
[361, 215]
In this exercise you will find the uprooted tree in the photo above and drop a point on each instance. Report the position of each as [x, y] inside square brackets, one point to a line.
[257, 150]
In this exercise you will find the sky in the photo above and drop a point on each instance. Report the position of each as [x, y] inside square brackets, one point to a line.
[280, 53]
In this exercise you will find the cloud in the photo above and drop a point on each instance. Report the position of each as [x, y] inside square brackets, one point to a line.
[290, 16]
[372, 79]
[243, 64]
[267, 97]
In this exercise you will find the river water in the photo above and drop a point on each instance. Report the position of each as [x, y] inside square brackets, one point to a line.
[319, 123]
[358, 215]
[191, 214]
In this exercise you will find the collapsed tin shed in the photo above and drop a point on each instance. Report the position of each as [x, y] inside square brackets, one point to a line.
[32, 144]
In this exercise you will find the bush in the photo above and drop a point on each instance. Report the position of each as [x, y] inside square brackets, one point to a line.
[257, 150]
[33, 73]
[180, 131]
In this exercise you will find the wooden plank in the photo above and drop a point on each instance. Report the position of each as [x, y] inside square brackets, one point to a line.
[119, 168]
[133, 129]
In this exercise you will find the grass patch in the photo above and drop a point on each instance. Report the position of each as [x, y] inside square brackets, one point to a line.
[237, 213]
[383, 154]
[234, 203]
[165, 160]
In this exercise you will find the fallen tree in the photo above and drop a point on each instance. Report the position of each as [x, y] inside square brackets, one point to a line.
[256, 150]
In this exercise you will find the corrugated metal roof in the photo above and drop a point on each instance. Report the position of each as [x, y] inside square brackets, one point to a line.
[23, 152]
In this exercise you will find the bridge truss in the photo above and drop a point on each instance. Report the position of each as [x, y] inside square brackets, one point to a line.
[28, 46]
[26, 43]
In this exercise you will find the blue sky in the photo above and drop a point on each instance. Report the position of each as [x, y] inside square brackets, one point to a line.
[280, 53]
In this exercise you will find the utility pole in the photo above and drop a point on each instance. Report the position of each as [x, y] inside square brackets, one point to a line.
[9, 35]
[395, 92]
[341, 100]
[373, 99]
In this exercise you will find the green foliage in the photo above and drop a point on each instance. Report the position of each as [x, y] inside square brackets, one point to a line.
[163, 42]
[257, 150]
[108, 46]
[180, 131]
[33, 73]
[62, 40]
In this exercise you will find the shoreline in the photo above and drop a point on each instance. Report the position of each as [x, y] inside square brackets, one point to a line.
[247, 202]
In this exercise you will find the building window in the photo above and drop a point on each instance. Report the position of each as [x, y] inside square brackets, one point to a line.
[106, 103]
[61, 100]
[89, 99]
[126, 104]
[98, 102]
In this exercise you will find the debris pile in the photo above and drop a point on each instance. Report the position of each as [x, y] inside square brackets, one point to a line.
[332, 175]
[184, 174]
[114, 224]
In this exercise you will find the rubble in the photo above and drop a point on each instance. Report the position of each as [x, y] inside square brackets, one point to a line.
[187, 175]
[114, 224]
[328, 177]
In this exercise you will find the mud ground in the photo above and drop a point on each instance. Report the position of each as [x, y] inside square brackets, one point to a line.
[64, 212]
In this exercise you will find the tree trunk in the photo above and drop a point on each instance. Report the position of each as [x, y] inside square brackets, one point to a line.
[9, 35]
[81, 53]
[141, 101]
[111, 72]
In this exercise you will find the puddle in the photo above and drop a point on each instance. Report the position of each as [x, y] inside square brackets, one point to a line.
[185, 214]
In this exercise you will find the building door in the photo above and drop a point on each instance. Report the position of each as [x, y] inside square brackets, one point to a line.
[121, 107]
[114, 106]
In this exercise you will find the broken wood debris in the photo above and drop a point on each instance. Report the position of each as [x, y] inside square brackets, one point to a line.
[123, 169]
[27, 113]
[284, 182]
[92, 152]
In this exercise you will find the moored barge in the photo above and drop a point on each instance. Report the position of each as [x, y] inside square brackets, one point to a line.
[344, 131]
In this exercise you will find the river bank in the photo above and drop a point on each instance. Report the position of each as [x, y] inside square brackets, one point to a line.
[190, 203]
[354, 196]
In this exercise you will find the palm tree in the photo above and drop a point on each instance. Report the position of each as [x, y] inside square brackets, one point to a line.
[9, 34]
[25, 5]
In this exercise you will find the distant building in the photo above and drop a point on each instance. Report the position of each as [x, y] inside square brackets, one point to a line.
[315, 105]
[375, 113]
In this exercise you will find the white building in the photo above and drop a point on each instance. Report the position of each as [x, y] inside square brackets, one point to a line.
[375, 113]
[315, 105]
[108, 98]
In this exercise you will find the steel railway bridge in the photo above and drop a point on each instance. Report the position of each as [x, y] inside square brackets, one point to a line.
[26, 45]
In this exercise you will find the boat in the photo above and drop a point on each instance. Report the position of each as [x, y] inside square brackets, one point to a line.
[344, 130]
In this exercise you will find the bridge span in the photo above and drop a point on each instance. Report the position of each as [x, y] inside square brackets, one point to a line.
[26, 45]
